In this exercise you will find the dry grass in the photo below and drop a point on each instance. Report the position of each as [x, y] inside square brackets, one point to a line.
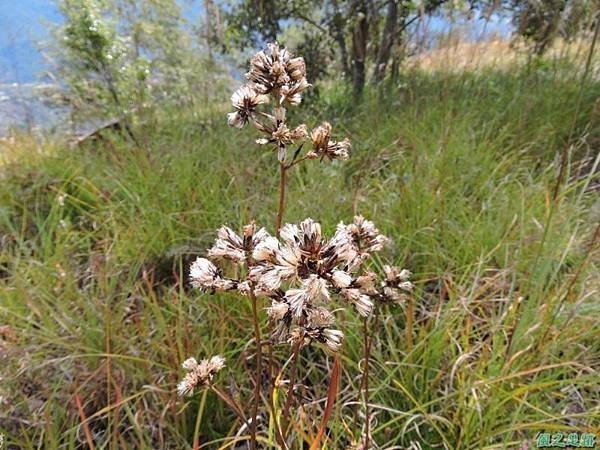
[457, 55]
[458, 169]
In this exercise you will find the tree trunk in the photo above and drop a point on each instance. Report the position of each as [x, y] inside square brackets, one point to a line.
[387, 41]
[359, 47]
[208, 7]
[337, 31]
[396, 61]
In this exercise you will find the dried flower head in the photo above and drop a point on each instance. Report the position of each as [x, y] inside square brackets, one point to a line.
[366, 283]
[395, 274]
[319, 316]
[366, 236]
[266, 249]
[302, 254]
[330, 337]
[395, 284]
[229, 245]
[323, 146]
[274, 68]
[278, 310]
[245, 101]
[291, 94]
[313, 289]
[199, 374]
[283, 136]
[205, 275]
[362, 302]
[341, 279]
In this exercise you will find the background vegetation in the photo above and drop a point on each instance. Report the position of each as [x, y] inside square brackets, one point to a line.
[485, 177]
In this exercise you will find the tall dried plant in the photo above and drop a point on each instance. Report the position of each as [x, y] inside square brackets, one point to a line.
[302, 275]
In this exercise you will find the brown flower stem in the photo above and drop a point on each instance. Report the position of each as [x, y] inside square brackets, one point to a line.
[270, 358]
[409, 323]
[365, 380]
[290, 391]
[237, 409]
[297, 161]
[278, 434]
[280, 211]
[199, 414]
[257, 386]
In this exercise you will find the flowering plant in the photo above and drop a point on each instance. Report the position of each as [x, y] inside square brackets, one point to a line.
[301, 274]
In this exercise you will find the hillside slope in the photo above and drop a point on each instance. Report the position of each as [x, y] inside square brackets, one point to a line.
[498, 343]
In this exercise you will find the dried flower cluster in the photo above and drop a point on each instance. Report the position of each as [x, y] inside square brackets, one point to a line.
[275, 74]
[199, 373]
[301, 273]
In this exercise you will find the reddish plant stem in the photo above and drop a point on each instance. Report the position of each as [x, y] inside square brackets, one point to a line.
[237, 409]
[270, 359]
[84, 423]
[257, 386]
[278, 221]
[280, 211]
[409, 323]
[290, 392]
[365, 383]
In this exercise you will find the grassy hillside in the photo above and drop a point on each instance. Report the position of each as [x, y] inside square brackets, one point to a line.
[96, 313]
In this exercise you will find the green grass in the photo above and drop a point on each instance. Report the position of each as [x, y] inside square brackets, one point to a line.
[458, 170]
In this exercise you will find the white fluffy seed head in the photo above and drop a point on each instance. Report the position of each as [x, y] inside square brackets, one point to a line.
[228, 245]
[296, 299]
[341, 279]
[190, 364]
[277, 310]
[406, 286]
[315, 288]
[362, 302]
[333, 339]
[202, 273]
[199, 373]
[266, 249]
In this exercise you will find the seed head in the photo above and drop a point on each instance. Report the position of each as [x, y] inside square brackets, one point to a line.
[362, 302]
[366, 236]
[228, 245]
[341, 279]
[330, 337]
[199, 374]
[283, 136]
[366, 283]
[323, 146]
[291, 93]
[245, 101]
[394, 274]
[278, 310]
[274, 68]
[396, 281]
[205, 275]
[319, 317]
[266, 249]
[296, 69]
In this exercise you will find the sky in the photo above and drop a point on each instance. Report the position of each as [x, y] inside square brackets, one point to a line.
[23, 24]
